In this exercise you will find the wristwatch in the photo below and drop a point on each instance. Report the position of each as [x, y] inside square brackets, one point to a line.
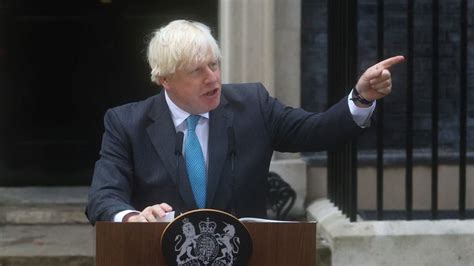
[356, 97]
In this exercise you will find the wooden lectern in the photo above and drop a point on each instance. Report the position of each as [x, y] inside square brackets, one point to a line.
[126, 244]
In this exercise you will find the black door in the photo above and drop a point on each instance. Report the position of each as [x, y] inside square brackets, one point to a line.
[62, 64]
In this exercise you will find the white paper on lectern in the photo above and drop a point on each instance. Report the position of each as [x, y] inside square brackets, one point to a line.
[169, 217]
[261, 220]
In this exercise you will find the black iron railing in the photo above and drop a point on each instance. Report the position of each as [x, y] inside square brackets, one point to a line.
[342, 67]
[342, 72]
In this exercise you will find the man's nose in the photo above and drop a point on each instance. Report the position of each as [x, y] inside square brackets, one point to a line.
[211, 75]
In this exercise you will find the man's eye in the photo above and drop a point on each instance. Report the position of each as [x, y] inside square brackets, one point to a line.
[196, 70]
[213, 65]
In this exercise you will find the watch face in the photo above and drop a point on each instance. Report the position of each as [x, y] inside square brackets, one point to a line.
[206, 237]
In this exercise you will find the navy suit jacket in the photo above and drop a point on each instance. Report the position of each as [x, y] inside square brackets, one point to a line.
[138, 166]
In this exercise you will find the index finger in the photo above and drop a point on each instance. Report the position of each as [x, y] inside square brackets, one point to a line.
[160, 210]
[389, 62]
[166, 207]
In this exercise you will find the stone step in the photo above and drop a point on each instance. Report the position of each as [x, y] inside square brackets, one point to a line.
[50, 245]
[54, 214]
[42, 205]
[43, 195]
[46, 261]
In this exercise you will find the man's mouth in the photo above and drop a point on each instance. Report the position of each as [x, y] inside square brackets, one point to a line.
[211, 93]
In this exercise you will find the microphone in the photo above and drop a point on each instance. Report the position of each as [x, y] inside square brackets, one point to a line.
[231, 151]
[231, 146]
[178, 150]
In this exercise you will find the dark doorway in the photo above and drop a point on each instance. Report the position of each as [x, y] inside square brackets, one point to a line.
[62, 64]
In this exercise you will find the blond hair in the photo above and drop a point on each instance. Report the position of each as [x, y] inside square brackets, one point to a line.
[179, 44]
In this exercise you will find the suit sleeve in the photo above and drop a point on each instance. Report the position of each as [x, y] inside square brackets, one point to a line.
[111, 184]
[296, 130]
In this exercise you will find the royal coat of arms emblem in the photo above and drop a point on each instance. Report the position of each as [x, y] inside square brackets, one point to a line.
[206, 237]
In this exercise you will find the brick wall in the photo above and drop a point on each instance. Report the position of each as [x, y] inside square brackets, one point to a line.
[314, 67]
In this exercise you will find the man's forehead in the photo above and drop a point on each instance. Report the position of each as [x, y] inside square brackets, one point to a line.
[197, 63]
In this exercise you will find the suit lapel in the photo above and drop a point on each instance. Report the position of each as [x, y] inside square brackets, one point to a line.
[220, 119]
[162, 134]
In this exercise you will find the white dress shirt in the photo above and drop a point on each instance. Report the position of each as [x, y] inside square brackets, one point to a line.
[360, 115]
[179, 117]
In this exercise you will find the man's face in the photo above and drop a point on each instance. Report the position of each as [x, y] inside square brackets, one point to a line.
[196, 89]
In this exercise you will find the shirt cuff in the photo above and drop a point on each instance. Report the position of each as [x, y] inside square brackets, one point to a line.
[361, 115]
[118, 218]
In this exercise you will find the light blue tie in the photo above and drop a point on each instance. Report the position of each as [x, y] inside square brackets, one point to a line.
[195, 162]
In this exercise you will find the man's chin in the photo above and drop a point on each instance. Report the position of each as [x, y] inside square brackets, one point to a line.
[212, 106]
[211, 102]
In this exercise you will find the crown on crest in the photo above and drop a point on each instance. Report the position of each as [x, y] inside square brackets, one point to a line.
[207, 226]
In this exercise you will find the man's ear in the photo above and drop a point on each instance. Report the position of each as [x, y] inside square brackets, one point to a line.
[164, 81]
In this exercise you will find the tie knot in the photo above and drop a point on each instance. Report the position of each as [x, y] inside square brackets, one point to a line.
[192, 121]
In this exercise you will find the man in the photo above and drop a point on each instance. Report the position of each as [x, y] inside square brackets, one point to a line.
[230, 132]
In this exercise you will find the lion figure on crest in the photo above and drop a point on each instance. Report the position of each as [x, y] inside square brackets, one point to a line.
[189, 243]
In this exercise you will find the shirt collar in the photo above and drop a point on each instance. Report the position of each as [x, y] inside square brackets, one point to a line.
[177, 114]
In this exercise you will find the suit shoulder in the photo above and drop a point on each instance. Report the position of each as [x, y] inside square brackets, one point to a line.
[134, 111]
